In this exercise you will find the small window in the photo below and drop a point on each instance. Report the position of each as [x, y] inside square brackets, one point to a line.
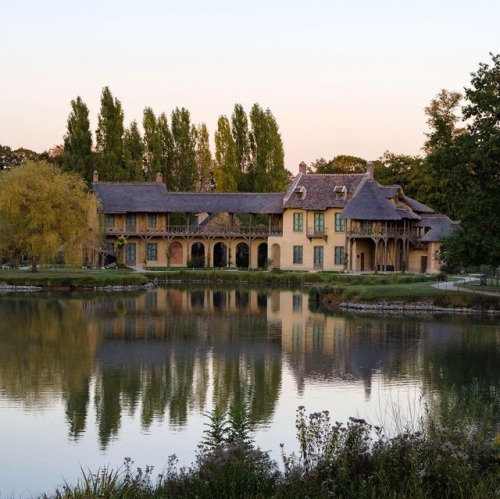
[339, 223]
[298, 222]
[339, 255]
[297, 255]
[152, 220]
[340, 191]
[130, 221]
[109, 220]
[152, 251]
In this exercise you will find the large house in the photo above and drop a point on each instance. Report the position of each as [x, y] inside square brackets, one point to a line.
[334, 222]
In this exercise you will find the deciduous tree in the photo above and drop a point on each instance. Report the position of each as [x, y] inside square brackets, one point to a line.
[478, 240]
[77, 155]
[340, 164]
[184, 153]
[133, 153]
[109, 138]
[203, 159]
[267, 170]
[226, 166]
[44, 211]
[152, 144]
[240, 133]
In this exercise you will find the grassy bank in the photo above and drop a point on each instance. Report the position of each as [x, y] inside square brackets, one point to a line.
[83, 277]
[422, 293]
[72, 278]
[324, 287]
[456, 456]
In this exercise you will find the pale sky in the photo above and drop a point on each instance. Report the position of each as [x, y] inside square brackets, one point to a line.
[341, 77]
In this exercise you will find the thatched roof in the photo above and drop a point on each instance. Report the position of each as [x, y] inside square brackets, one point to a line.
[439, 227]
[153, 197]
[322, 191]
[130, 197]
[372, 202]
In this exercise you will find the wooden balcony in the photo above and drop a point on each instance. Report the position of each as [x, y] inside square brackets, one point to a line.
[381, 232]
[195, 230]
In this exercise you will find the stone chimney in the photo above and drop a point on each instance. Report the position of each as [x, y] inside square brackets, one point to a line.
[369, 170]
[303, 168]
[159, 177]
[95, 176]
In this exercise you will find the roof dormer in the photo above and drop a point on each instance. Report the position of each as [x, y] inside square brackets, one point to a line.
[340, 191]
[300, 192]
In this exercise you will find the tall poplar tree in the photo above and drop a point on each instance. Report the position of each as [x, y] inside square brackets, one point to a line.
[239, 131]
[167, 151]
[109, 138]
[203, 159]
[267, 171]
[184, 151]
[152, 144]
[77, 156]
[133, 153]
[226, 166]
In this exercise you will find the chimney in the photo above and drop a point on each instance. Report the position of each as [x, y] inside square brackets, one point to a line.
[159, 177]
[95, 176]
[303, 168]
[369, 170]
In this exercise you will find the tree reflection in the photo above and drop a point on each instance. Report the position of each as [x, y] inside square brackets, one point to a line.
[164, 354]
[48, 346]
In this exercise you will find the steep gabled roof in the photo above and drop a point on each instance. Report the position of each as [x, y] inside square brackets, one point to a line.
[417, 206]
[152, 197]
[371, 202]
[322, 191]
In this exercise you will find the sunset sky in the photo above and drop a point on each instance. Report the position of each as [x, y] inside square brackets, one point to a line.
[350, 77]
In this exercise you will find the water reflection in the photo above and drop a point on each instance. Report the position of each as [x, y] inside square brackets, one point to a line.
[166, 354]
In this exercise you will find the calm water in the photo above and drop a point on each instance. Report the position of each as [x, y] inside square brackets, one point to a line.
[88, 380]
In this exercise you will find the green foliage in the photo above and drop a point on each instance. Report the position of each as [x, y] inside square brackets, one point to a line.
[469, 163]
[355, 459]
[10, 159]
[225, 429]
[240, 134]
[77, 156]
[109, 138]
[133, 153]
[183, 151]
[152, 144]
[267, 170]
[44, 211]
[203, 181]
[339, 164]
[226, 171]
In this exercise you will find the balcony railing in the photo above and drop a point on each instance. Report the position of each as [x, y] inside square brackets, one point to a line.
[193, 230]
[381, 232]
[312, 232]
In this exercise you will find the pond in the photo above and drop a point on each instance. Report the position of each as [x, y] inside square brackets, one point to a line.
[87, 380]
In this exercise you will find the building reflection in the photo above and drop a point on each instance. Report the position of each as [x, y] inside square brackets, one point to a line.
[167, 353]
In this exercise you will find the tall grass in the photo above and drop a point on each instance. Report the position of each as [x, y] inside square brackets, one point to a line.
[450, 456]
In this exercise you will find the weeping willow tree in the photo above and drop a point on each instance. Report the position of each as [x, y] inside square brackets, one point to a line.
[45, 212]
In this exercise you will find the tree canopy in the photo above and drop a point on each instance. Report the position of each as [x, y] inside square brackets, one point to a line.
[44, 212]
[473, 172]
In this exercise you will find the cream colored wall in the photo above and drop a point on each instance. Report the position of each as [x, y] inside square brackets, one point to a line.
[362, 246]
[414, 260]
[433, 262]
[291, 239]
